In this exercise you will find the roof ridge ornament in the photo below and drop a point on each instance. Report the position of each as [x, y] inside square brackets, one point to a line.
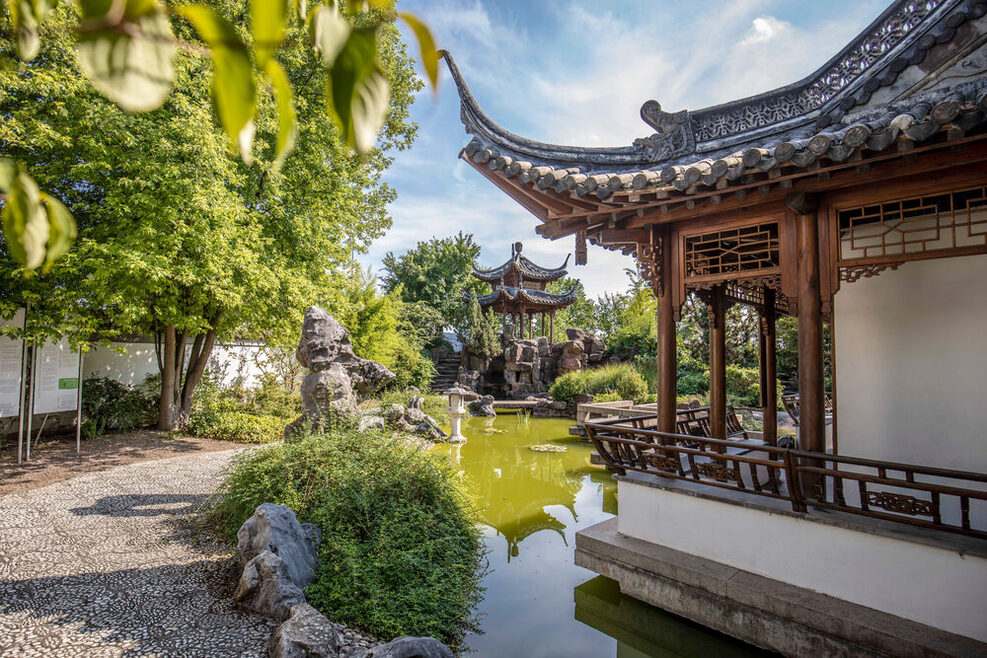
[674, 134]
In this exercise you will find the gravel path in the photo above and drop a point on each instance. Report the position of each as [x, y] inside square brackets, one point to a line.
[110, 564]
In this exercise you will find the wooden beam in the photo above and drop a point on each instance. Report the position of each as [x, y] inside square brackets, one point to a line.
[618, 236]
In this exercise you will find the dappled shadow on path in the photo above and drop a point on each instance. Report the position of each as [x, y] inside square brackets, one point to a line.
[173, 610]
[144, 505]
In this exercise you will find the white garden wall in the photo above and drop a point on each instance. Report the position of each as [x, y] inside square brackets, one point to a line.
[130, 363]
[911, 357]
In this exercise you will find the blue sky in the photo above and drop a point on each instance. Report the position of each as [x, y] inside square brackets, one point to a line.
[577, 73]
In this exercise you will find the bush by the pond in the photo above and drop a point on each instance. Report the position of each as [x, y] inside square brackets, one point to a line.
[401, 552]
[108, 405]
[622, 379]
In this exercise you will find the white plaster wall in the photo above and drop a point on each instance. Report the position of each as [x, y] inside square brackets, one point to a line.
[130, 363]
[911, 358]
[940, 588]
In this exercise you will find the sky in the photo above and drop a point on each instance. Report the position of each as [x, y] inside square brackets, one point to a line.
[576, 73]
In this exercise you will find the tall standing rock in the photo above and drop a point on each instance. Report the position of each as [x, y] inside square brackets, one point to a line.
[337, 377]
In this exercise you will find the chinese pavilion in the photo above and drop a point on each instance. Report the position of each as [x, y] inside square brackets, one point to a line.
[854, 198]
[518, 292]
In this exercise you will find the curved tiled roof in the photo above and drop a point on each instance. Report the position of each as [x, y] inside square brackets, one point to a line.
[820, 118]
[534, 297]
[962, 108]
[525, 267]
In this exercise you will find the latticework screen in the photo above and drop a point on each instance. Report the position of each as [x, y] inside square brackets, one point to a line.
[732, 251]
[914, 226]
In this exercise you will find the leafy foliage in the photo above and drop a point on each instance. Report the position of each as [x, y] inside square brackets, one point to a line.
[401, 551]
[482, 331]
[438, 273]
[129, 51]
[622, 379]
[243, 415]
[109, 406]
[175, 233]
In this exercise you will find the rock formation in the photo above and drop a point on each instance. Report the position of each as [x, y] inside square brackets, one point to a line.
[410, 647]
[336, 377]
[278, 556]
[305, 634]
[482, 406]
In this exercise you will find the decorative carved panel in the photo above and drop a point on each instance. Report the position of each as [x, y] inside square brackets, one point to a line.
[731, 252]
[716, 471]
[882, 236]
[662, 462]
[650, 258]
[900, 503]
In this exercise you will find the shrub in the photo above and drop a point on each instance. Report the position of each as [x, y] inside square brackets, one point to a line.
[622, 379]
[401, 551]
[743, 385]
[108, 405]
[606, 397]
[237, 426]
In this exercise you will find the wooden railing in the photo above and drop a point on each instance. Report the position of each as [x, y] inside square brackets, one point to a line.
[934, 498]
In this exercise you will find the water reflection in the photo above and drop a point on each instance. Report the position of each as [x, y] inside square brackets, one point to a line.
[532, 504]
[643, 630]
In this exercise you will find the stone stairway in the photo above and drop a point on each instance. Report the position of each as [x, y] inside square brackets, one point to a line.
[448, 372]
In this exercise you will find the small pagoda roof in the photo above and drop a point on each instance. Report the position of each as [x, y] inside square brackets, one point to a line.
[533, 299]
[872, 94]
[519, 264]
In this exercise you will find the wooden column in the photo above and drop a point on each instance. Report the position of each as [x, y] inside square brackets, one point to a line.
[812, 412]
[769, 369]
[667, 364]
[531, 319]
[717, 363]
[542, 328]
[551, 327]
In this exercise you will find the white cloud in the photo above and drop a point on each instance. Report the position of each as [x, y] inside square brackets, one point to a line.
[764, 29]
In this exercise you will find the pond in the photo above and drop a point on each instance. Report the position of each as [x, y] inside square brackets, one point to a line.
[537, 601]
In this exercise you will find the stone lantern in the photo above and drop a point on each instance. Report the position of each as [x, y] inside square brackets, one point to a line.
[457, 395]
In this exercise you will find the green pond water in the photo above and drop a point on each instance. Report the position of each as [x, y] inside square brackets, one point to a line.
[537, 601]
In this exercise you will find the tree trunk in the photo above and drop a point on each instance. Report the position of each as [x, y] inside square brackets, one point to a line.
[166, 404]
[178, 384]
[201, 351]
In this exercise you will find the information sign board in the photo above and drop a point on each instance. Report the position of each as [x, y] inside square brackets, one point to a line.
[11, 353]
[56, 383]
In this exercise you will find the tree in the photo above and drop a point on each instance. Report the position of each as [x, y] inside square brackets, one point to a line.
[128, 48]
[581, 314]
[483, 336]
[439, 273]
[177, 238]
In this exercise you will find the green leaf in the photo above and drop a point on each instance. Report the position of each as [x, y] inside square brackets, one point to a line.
[134, 71]
[426, 44]
[267, 22]
[8, 172]
[233, 81]
[26, 16]
[25, 222]
[287, 126]
[61, 227]
[358, 93]
[329, 33]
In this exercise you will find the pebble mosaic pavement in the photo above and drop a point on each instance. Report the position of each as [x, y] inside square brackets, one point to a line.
[111, 564]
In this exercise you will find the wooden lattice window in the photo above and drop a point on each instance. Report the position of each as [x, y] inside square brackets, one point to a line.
[732, 251]
[911, 228]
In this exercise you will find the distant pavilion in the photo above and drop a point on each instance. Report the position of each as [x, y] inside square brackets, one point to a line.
[518, 290]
